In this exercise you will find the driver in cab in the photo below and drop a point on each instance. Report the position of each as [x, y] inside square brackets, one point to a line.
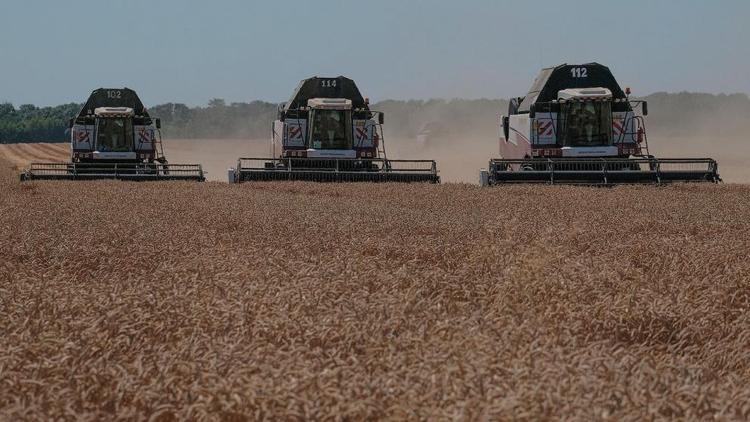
[331, 127]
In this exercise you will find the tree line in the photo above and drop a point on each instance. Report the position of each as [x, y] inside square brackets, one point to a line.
[674, 114]
[29, 123]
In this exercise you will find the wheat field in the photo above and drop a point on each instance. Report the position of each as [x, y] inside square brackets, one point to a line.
[176, 300]
[21, 154]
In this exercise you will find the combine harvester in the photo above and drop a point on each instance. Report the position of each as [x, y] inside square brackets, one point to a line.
[576, 125]
[327, 133]
[113, 137]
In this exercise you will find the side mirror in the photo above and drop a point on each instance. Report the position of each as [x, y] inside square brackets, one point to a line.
[158, 123]
[506, 126]
[381, 118]
[644, 108]
[71, 122]
[532, 111]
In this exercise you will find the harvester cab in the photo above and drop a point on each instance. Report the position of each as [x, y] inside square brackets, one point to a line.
[587, 117]
[330, 128]
[114, 137]
[327, 132]
[577, 125]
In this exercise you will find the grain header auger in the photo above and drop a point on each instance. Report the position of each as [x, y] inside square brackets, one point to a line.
[114, 137]
[327, 132]
[577, 126]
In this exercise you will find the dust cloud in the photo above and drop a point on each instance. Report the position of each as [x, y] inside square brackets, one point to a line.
[720, 134]
[731, 152]
[458, 160]
[215, 155]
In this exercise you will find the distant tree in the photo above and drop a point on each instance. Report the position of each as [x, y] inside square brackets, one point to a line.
[217, 102]
[6, 109]
[27, 109]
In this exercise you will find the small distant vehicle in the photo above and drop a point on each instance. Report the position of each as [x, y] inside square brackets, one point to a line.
[114, 137]
[431, 132]
[577, 125]
[327, 132]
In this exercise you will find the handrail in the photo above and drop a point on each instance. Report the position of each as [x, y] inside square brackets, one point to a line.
[331, 164]
[335, 169]
[127, 171]
[604, 170]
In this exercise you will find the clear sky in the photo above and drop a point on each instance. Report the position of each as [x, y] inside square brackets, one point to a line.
[54, 51]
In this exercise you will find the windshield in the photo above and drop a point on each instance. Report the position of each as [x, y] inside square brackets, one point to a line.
[587, 124]
[114, 135]
[329, 129]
